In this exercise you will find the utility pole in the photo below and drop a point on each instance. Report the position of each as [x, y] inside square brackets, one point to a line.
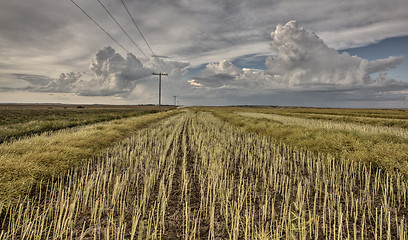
[175, 100]
[160, 74]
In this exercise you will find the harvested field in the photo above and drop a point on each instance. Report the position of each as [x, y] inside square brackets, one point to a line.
[197, 176]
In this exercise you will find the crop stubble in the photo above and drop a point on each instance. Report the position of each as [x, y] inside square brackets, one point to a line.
[196, 177]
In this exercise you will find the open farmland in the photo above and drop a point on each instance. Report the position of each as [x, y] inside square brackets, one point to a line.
[217, 173]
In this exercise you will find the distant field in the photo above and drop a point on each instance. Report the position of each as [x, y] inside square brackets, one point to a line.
[212, 173]
[21, 120]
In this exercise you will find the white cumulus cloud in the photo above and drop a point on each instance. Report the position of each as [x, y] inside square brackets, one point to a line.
[111, 74]
[304, 60]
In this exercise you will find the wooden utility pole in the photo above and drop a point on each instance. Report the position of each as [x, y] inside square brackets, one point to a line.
[175, 98]
[160, 74]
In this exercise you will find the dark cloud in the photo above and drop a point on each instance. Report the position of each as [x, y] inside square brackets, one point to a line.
[250, 61]
[213, 81]
[217, 75]
[10, 89]
[381, 65]
[33, 25]
[350, 98]
[160, 56]
[32, 79]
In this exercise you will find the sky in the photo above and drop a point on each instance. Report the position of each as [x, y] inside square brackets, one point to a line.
[316, 53]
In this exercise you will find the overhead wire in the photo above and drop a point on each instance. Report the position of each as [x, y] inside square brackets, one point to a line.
[167, 83]
[148, 45]
[124, 31]
[116, 41]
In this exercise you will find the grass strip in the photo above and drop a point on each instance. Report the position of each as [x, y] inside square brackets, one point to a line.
[26, 162]
[381, 150]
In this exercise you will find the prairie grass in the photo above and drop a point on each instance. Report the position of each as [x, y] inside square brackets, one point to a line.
[25, 162]
[181, 179]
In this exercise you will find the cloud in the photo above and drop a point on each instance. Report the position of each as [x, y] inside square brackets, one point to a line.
[173, 83]
[382, 64]
[48, 37]
[174, 68]
[212, 81]
[214, 30]
[65, 83]
[32, 79]
[226, 75]
[364, 32]
[111, 74]
[303, 62]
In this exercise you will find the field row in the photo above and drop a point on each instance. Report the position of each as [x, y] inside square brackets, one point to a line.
[194, 176]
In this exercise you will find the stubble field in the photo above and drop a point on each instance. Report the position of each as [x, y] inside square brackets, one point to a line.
[212, 173]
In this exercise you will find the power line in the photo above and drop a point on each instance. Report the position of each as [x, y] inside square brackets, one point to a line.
[148, 45]
[100, 27]
[134, 22]
[126, 50]
[148, 59]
